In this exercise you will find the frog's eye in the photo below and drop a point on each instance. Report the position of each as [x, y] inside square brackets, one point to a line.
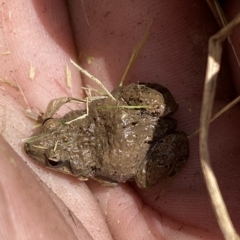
[55, 164]
[45, 120]
[51, 124]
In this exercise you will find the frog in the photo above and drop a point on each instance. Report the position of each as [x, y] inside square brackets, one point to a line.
[130, 136]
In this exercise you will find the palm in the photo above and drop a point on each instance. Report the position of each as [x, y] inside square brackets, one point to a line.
[174, 56]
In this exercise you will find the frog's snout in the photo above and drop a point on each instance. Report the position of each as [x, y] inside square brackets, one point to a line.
[34, 152]
[27, 147]
[30, 149]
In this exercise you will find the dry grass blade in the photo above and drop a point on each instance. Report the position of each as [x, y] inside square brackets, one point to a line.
[214, 57]
[217, 12]
[222, 21]
[135, 53]
[68, 76]
[32, 72]
[86, 73]
[223, 110]
[219, 113]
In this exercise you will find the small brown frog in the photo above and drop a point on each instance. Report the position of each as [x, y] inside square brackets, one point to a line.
[130, 137]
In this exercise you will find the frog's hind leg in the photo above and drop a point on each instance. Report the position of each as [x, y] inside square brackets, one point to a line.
[170, 153]
[164, 159]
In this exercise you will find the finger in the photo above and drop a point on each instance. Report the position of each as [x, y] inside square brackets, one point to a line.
[128, 216]
[49, 60]
[25, 205]
[175, 55]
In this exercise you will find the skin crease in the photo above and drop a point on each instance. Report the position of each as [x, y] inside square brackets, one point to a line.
[38, 33]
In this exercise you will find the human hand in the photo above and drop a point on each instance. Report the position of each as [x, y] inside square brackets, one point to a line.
[40, 34]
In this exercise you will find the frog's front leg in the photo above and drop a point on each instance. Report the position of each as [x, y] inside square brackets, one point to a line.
[105, 181]
[55, 104]
[166, 158]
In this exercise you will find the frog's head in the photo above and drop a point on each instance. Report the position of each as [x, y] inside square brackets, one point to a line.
[43, 147]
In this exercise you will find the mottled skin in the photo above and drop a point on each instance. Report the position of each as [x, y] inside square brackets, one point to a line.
[115, 143]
